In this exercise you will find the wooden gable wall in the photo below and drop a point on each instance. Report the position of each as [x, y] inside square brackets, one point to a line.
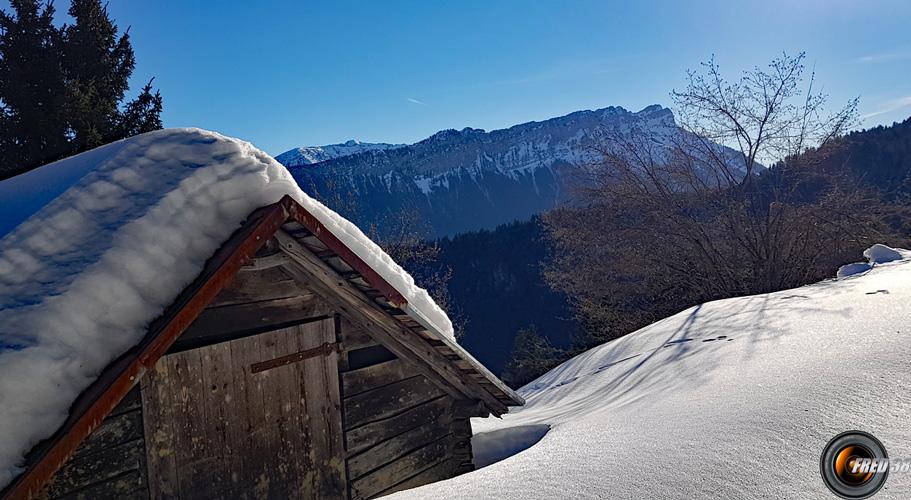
[399, 429]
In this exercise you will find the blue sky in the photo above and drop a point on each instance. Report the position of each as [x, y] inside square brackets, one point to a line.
[289, 73]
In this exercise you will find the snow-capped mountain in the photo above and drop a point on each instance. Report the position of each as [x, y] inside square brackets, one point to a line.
[469, 179]
[309, 155]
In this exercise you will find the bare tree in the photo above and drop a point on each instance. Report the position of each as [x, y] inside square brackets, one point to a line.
[765, 116]
[669, 221]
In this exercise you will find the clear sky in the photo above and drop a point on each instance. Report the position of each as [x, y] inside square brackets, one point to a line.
[289, 73]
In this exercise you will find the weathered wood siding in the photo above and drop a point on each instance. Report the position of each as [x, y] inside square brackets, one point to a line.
[401, 429]
[110, 463]
[254, 302]
[357, 422]
[247, 418]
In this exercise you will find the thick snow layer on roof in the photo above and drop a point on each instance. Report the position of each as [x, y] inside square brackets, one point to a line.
[730, 399]
[107, 240]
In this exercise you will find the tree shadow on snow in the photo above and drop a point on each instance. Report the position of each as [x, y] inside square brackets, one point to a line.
[705, 331]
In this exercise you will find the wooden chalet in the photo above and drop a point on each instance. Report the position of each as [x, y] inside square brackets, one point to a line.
[288, 369]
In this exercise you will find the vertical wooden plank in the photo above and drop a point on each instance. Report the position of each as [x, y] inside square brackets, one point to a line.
[309, 478]
[314, 379]
[278, 413]
[196, 473]
[293, 410]
[161, 437]
[343, 351]
[245, 352]
[219, 400]
[240, 425]
[336, 465]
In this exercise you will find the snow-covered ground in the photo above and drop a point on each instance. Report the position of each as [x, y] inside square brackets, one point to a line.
[105, 240]
[730, 399]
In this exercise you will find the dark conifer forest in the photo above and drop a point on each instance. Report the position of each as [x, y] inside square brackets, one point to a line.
[63, 88]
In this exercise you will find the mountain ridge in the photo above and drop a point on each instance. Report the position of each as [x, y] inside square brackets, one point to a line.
[308, 155]
[469, 179]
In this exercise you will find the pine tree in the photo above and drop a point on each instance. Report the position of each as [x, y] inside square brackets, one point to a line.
[98, 65]
[33, 128]
[62, 89]
[142, 114]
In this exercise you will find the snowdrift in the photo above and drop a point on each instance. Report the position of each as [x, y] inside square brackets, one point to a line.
[105, 240]
[875, 255]
[730, 399]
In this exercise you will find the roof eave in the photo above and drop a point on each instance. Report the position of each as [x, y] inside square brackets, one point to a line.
[465, 355]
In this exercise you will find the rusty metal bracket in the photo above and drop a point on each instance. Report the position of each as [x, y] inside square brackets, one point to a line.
[294, 358]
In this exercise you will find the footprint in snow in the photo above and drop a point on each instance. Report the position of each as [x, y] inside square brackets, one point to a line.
[567, 381]
[720, 337]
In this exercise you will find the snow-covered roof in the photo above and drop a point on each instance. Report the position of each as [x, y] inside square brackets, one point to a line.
[107, 240]
[730, 399]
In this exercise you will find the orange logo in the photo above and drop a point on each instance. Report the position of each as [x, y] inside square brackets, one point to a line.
[855, 465]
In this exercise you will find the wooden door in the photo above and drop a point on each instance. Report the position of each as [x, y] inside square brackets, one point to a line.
[257, 417]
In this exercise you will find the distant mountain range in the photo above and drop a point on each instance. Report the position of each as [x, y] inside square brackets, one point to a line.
[469, 179]
[309, 155]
